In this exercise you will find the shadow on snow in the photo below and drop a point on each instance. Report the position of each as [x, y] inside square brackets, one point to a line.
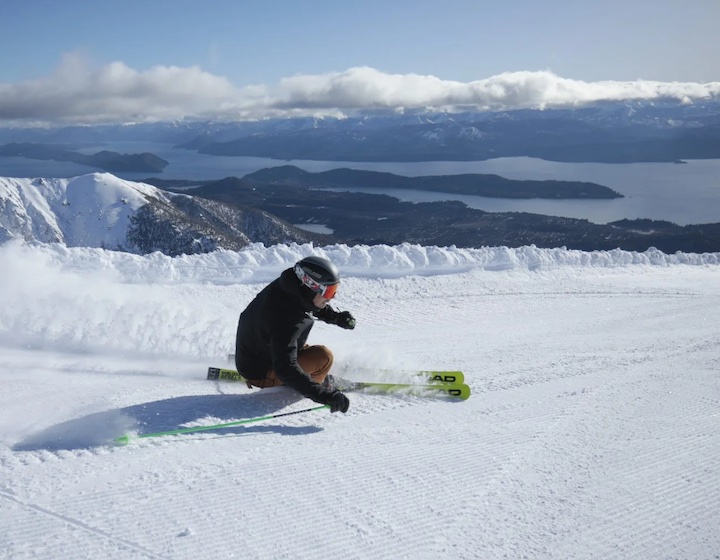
[168, 414]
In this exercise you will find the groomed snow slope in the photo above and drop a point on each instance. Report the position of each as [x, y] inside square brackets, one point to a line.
[591, 432]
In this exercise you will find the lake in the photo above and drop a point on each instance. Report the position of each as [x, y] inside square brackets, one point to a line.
[682, 193]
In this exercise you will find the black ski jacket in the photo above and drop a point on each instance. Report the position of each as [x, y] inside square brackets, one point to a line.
[271, 330]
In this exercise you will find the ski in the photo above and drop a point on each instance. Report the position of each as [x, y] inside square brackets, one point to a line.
[436, 389]
[224, 374]
[442, 376]
[453, 390]
[426, 376]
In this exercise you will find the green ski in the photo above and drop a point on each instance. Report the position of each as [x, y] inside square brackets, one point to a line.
[426, 376]
[432, 388]
[454, 390]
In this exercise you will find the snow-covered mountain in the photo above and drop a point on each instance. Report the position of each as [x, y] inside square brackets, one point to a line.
[101, 210]
[591, 433]
[92, 210]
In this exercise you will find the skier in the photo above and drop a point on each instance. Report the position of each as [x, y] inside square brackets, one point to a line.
[270, 347]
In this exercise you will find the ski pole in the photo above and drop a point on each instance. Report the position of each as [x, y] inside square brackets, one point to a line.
[124, 440]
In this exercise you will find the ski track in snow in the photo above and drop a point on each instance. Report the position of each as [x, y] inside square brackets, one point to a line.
[591, 432]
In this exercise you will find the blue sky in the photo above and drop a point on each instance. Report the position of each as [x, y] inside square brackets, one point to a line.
[241, 53]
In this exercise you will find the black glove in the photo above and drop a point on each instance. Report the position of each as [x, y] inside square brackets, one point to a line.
[345, 320]
[338, 402]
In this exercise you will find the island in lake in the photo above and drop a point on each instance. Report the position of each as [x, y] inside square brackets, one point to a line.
[105, 160]
[492, 186]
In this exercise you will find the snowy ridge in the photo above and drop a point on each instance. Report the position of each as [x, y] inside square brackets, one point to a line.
[257, 263]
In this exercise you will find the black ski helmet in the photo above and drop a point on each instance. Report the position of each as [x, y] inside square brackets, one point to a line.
[318, 274]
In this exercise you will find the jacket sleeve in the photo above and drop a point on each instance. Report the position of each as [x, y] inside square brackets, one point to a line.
[284, 345]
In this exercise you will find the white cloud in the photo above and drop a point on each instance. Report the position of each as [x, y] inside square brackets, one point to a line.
[359, 88]
[81, 92]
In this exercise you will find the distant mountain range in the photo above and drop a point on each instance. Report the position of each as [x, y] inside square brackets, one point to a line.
[611, 132]
[620, 134]
[101, 210]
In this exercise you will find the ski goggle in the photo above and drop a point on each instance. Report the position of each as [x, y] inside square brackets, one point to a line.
[327, 291]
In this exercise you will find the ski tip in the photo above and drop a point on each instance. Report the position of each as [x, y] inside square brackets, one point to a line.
[454, 377]
[464, 392]
[122, 440]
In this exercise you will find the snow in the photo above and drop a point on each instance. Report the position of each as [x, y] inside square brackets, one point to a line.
[90, 210]
[591, 431]
[316, 228]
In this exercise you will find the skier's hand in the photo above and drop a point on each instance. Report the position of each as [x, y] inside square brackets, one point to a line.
[345, 320]
[338, 402]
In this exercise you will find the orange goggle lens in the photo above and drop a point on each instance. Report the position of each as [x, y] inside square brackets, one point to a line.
[329, 291]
